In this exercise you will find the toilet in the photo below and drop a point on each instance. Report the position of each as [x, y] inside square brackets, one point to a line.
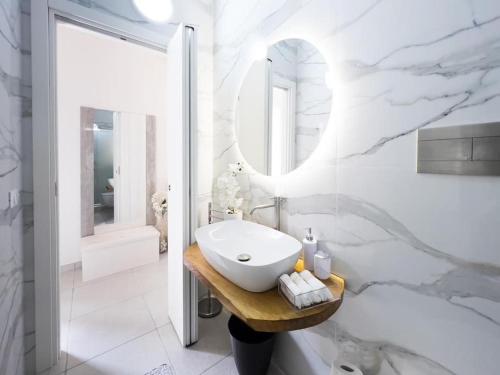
[108, 199]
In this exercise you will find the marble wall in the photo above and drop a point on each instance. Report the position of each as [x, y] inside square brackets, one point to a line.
[314, 100]
[16, 244]
[419, 252]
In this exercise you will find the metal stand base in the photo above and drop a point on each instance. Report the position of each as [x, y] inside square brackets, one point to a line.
[209, 307]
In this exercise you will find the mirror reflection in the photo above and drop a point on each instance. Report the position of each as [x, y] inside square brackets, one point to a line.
[116, 187]
[283, 106]
[103, 168]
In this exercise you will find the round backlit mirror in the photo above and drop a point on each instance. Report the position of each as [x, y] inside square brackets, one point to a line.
[283, 107]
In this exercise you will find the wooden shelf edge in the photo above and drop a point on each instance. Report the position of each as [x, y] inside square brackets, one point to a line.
[294, 320]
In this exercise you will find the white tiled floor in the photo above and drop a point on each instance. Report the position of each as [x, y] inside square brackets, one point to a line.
[118, 325]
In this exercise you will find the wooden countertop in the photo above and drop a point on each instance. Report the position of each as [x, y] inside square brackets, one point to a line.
[267, 311]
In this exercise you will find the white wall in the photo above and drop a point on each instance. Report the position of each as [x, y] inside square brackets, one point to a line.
[101, 72]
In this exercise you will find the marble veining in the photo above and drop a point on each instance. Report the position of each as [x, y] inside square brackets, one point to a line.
[383, 356]
[465, 279]
[15, 121]
[418, 252]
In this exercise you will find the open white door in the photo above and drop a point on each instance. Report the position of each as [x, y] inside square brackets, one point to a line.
[129, 168]
[181, 131]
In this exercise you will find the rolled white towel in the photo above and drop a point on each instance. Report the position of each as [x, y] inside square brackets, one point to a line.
[318, 295]
[305, 289]
[316, 285]
[313, 282]
[293, 288]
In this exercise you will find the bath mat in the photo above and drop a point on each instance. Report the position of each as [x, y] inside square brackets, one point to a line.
[162, 370]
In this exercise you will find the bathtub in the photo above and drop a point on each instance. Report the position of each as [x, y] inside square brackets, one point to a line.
[109, 252]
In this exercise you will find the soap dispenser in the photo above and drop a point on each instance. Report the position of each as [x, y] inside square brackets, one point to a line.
[310, 246]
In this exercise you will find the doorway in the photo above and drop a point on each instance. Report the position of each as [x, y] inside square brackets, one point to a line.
[111, 160]
[47, 185]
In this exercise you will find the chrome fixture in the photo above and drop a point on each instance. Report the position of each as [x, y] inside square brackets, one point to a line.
[244, 257]
[461, 150]
[209, 307]
[277, 210]
[211, 211]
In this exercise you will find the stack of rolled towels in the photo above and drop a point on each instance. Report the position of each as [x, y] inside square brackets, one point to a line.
[304, 289]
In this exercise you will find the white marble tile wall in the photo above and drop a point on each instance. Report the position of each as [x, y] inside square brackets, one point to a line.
[419, 252]
[15, 174]
[314, 100]
[284, 59]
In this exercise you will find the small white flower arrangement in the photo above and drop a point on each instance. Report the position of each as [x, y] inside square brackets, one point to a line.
[228, 188]
[159, 202]
[160, 209]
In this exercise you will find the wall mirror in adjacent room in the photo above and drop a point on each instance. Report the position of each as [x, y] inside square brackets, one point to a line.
[283, 106]
[117, 168]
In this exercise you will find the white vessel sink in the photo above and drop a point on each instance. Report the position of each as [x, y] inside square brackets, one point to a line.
[251, 255]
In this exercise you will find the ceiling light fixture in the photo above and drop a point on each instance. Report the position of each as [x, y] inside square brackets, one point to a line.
[158, 11]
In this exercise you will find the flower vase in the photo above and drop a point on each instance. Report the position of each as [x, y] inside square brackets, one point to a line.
[238, 215]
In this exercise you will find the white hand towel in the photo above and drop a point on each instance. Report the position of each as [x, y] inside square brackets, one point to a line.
[316, 285]
[293, 288]
[309, 278]
[305, 289]
[317, 289]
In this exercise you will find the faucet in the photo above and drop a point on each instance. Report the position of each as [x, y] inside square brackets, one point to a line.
[211, 211]
[277, 210]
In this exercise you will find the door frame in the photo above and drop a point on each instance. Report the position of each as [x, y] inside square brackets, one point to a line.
[190, 282]
[44, 14]
[288, 134]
